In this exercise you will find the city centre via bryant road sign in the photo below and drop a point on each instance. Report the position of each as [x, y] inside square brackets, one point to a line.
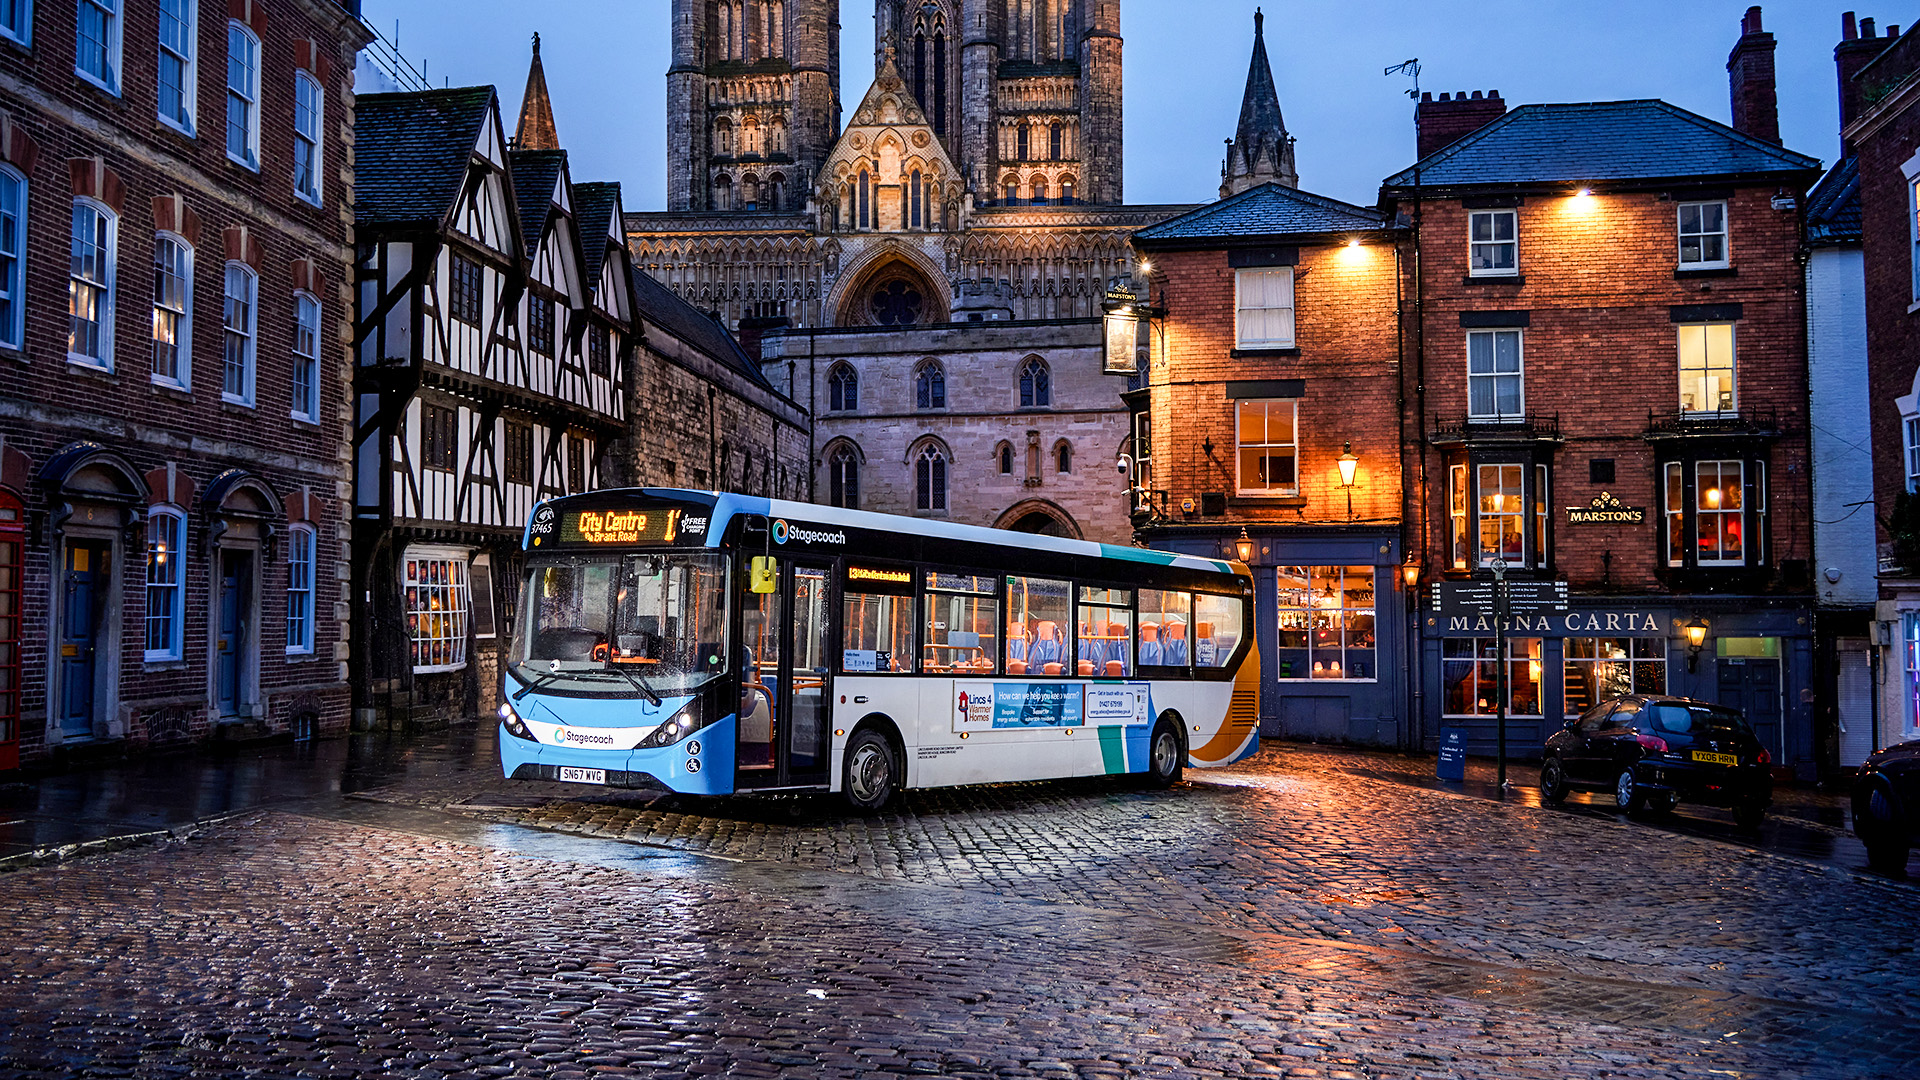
[1474, 599]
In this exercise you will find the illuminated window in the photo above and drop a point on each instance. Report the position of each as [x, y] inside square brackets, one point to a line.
[1326, 622]
[1706, 367]
[172, 310]
[165, 597]
[1470, 677]
[1601, 668]
[1715, 511]
[1495, 386]
[1264, 299]
[1268, 440]
[436, 602]
[90, 285]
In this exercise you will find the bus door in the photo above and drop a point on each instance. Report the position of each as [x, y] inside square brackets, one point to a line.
[785, 680]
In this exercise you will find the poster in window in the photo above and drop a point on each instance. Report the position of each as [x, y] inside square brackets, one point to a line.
[481, 597]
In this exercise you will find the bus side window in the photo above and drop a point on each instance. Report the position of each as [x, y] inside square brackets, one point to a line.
[962, 620]
[878, 633]
[1106, 632]
[1037, 610]
[1165, 628]
[1217, 629]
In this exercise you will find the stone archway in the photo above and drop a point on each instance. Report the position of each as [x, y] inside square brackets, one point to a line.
[1040, 517]
[895, 285]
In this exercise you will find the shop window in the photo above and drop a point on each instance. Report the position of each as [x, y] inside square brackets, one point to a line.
[165, 591]
[1038, 613]
[1715, 511]
[877, 633]
[1470, 676]
[1105, 645]
[1599, 669]
[963, 624]
[1498, 509]
[1326, 622]
[1166, 628]
[436, 605]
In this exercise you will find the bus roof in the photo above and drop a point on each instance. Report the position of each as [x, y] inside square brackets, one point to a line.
[726, 505]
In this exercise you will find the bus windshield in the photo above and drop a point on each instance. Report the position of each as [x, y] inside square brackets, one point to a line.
[624, 626]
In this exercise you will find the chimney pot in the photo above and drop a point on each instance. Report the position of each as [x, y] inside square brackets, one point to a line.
[1848, 31]
[1476, 95]
[1866, 28]
[1426, 95]
[1893, 30]
[1751, 24]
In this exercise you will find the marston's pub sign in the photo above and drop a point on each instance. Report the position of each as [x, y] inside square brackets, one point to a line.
[1606, 509]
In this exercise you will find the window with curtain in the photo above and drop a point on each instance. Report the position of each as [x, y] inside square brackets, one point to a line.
[165, 597]
[1495, 388]
[16, 21]
[1264, 302]
[90, 285]
[300, 589]
[1470, 677]
[96, 47]
[172, 308]
[238, 326]
[243, 95]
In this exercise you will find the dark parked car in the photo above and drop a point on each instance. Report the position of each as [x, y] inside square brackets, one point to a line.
[1655, 751]
[1886, 805]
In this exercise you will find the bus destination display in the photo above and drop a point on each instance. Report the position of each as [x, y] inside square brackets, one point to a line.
[620, 526]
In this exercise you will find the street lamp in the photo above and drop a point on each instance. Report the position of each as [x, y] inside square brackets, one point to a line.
[1243, 547]
[1348, 464]
[1696, 639]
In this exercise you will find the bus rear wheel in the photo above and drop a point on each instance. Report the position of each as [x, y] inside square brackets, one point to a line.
[1165, 759]
[871, 772]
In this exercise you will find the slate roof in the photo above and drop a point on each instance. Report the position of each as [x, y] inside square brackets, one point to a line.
[1266, 212]
[594, 205]
[1605, 140]
[1833, 206]
[411, 152]
[535, 172]
[1261, 125]
[664, 307]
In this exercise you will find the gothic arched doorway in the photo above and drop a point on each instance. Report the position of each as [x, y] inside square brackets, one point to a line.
[1040, 517]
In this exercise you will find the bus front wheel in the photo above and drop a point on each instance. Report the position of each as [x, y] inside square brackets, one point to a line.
[870, 773]
[1165, 759]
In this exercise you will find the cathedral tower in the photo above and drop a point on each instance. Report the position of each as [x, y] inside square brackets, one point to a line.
[753, 102]
[1261, 151]
[1024, 94]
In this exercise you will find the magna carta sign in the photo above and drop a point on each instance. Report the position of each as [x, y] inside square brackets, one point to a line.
[1606, 509]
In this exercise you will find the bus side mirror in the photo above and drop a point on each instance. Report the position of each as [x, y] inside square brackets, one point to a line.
[762, 574]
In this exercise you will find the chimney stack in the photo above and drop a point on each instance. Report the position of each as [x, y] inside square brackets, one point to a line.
[1439, 124]
[1856, 50]
[1756, 106]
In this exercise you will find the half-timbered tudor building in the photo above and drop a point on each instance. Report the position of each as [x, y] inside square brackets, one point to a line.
[492, 332]
[174, 249]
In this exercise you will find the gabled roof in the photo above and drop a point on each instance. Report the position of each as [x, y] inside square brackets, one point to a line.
[663, 307]
[1833, 206]
[1605, 140]
[535, 172]
[411, 152]
[1266, 212]
[594, 205]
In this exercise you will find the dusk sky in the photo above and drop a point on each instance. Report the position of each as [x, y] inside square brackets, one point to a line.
[1186, 65]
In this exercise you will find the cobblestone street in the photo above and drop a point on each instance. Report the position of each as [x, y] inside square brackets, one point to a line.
[1311, 913]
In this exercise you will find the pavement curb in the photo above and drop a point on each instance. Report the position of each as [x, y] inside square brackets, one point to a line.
[59, 853]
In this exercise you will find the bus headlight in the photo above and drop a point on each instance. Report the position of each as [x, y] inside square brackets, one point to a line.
[684, 723]
[515, 726]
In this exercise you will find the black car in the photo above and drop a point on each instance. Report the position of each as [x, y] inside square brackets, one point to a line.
[1886, 805]
[1651, 750]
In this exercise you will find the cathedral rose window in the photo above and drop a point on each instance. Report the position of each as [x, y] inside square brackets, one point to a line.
[897, 303]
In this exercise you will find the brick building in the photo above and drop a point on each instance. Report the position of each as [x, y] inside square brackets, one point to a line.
[1884, 134]
[1273, 356]
[175, 225]
[1608, 388]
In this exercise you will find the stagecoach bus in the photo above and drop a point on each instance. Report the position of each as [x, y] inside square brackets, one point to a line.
[711, 644]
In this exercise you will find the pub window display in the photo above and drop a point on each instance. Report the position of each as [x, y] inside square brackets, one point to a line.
[1326, 618]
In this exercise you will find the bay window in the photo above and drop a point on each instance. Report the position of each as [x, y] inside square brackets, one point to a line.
[1498, 509]
[436, 602]
[1715, 509]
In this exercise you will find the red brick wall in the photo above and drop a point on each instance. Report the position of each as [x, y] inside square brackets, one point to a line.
[51, 402]
[1598, 278]
[1893, 332]
[1344, 326]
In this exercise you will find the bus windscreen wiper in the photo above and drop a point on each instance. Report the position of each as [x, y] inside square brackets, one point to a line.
[639, 682]
[539, 680]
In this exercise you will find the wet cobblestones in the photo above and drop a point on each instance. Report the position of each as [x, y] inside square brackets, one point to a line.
[1284, 919]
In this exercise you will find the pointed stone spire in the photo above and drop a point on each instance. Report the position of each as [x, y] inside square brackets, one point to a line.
[536, 130]
[1261, 151]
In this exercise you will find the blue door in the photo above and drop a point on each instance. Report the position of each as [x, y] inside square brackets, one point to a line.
[84, 582]
[1752, 685]
[230, 641]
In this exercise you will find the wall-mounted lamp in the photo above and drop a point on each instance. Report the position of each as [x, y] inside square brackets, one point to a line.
[1348, 465]
[1410, 573]
[1243, 547]
[1696, 639]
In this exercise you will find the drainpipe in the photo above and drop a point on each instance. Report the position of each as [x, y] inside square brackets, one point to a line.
[713, 446]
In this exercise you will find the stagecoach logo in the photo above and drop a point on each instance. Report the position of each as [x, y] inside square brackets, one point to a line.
[564, 736]
[542, 521]
[782, 532]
